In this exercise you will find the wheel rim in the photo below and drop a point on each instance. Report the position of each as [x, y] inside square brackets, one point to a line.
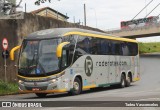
[76, 86]
[123, 83]
[129, 80]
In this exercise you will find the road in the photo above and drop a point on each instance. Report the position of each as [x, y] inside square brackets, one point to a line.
[147, 89]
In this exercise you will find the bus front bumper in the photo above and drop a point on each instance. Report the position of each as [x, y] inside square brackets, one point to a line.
[45, 91]
[40, 87]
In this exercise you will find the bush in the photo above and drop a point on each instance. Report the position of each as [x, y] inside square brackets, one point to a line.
[7, 88]
[149, 47]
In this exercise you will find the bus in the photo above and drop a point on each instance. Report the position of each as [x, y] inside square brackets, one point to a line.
[139, 22]
[72, 60]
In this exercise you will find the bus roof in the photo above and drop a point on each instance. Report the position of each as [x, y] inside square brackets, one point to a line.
[61, 32]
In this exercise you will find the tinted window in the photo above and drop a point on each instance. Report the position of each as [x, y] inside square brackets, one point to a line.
[125, 49]
[133, 47]
[113, 48]
[129, 48]
[83, 45]
[94, 46]
[71, 39]
[99, 46]
[103, 46]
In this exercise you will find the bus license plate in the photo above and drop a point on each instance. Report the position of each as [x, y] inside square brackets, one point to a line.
[35, 89]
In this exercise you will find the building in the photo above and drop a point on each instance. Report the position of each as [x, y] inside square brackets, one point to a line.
[49, 12]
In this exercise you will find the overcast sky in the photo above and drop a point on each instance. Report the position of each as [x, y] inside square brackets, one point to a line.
[103, 14]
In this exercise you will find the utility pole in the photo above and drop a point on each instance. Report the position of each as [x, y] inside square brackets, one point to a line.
[25, 8]
[84, 14]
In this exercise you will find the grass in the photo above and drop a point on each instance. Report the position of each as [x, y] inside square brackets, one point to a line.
[8, 88]
[149, 47]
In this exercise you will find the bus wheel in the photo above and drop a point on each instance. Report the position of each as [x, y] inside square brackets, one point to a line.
[128, 81]
[41, 95]
[77, 87]
[123, 81]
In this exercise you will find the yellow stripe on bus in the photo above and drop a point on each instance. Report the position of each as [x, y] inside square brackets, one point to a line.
[89, 87]
[59, 49]
[100, 36]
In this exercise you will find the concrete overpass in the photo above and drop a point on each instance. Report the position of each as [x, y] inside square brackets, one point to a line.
[137, 32]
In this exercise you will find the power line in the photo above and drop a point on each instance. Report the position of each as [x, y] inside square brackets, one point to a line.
[158, 14]
[142, 9]
[152, 10]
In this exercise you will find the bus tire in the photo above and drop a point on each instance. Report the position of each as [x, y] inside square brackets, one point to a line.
[128, 81]
[41, 95]
[123, 81]
[77, 87]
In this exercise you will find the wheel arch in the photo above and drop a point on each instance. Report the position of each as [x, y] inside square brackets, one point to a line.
[78, 76]
[124, 73]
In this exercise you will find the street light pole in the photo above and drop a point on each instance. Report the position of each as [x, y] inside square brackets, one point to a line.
[84, 14]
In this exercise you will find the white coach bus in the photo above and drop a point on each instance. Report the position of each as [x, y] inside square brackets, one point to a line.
[72, 60]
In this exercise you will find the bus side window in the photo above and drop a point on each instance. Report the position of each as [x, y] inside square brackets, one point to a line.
[113, 51]
[120, 48]
[70, 53]
[130, 47]
[125, 49]
[65, 59]
[82, 47]
[117, 48]
[103, 47]
[94, 46]
[72, 40]
[133, 49]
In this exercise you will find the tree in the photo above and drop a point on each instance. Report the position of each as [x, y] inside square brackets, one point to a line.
[9, 7]
[38, 2]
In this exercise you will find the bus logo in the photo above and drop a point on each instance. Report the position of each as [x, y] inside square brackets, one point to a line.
[88, 66]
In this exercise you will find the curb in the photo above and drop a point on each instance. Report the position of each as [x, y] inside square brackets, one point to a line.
[9, 94]
[16, 93]
[150, 54]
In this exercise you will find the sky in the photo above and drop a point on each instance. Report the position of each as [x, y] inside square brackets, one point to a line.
[102, 14]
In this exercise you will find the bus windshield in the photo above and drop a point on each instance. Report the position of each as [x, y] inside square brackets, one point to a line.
[38, 57]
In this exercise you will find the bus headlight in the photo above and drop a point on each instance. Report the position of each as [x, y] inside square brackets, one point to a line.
[20, 82]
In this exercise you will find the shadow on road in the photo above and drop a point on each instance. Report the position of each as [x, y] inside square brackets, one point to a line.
[90, 91]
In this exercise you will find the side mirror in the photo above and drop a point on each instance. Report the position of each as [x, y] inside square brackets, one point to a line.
[60, 49]
[13, 51]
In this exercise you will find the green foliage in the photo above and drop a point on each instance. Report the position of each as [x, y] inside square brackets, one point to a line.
[149, 47]
[7, 88]
[38, 2]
